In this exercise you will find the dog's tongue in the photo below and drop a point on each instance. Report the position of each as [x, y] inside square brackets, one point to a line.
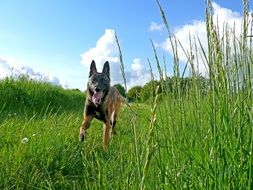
[96, 98]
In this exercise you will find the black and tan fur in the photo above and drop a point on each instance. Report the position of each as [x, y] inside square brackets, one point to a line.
[102, 102]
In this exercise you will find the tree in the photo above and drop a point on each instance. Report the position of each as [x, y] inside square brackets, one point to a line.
[134, 94]
[149, 89]
[121, 89]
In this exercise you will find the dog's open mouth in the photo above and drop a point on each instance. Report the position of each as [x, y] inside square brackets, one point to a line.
[97, 97]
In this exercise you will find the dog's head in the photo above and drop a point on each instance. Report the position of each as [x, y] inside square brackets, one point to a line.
[99, 83]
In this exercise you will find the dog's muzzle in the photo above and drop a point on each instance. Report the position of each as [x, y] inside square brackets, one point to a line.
[97, 97]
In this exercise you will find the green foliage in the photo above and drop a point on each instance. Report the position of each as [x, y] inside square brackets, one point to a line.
[149, 89]
[185, 85]
[27, 96]
[134, 94]
[121, 89]
[169, 86]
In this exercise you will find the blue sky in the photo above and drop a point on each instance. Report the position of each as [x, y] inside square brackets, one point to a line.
[51, 37]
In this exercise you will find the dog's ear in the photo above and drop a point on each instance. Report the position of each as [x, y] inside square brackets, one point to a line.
[93, 68]
[106, 69]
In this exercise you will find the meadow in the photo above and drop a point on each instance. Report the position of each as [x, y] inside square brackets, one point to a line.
[179, 139]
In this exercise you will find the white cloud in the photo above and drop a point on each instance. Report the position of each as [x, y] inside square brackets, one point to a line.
[12, 67]
[106, 50]
[137, 67]
[5, 69]
[156, 27]
[197, 29]
[139, 74]
[224, 14]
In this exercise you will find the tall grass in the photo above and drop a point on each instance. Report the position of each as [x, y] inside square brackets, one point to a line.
[205, 141]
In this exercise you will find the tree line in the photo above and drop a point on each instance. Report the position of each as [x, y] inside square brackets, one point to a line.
[169, 85]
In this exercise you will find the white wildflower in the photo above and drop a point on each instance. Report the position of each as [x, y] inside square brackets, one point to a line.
[25, 140]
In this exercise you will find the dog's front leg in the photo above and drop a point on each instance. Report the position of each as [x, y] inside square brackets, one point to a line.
[85, 125]
[106, 134]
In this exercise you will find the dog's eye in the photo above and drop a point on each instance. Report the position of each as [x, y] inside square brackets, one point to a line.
[93, 80]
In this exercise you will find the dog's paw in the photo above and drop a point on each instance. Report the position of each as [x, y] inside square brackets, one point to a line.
[81, 137]
[113, 131]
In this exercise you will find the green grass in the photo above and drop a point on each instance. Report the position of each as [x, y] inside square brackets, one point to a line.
[181, 140]
[53, 157]
[26, 96]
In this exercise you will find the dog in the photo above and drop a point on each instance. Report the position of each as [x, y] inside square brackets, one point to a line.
[102, 102]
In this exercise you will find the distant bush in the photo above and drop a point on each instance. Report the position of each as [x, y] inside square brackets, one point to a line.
[149, 89]
[134, 94]
[121, 89]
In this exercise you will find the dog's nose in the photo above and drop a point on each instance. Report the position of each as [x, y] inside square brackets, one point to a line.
[97, 89]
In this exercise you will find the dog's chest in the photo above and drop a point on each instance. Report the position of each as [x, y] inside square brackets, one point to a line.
[100, 115]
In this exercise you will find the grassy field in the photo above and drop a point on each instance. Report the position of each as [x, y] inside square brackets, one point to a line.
[174, 145]
[41, 149]
[180, 140]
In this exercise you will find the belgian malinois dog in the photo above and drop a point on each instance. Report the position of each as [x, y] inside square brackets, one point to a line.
[102, 102]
